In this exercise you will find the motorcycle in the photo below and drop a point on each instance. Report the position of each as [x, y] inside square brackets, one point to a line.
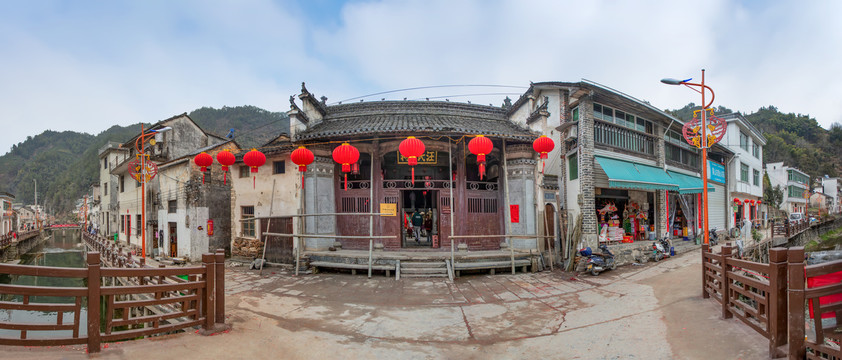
[658, 252]
[596, 263]
[713, 237]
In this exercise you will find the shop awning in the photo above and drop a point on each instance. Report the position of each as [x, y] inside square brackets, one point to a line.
[625, 174]
[688, 184]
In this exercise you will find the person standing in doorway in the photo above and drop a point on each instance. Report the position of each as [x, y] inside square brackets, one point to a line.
[428, 225]
[417, 222]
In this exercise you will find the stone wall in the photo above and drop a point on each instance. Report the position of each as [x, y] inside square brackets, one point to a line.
[586, 168]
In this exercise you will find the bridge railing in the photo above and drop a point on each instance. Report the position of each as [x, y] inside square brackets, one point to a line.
[112, 254]
[145, 302]
[781, 227]
[773, 299]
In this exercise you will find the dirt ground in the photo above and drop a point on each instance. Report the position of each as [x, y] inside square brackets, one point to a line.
[653, 311]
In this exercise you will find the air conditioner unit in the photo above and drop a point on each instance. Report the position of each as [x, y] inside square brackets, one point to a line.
[572, 133]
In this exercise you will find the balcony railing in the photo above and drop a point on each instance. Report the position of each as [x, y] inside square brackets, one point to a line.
[624, 139]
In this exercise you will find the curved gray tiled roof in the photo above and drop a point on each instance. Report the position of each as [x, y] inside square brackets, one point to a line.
[414, 117]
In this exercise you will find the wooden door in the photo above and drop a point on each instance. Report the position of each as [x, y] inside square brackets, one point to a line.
[444, 213]
[173, 240]
[391, 225]
[278, 249]
[549, 226]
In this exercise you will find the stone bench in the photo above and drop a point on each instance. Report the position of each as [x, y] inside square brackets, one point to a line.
[491, 265]
[353, 267]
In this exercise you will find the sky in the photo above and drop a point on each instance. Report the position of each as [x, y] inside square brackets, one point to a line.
[88, 65]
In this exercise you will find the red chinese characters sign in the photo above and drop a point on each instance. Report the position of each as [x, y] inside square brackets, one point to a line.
[514, 213]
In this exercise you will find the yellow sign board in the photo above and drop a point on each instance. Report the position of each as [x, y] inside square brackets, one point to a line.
[427, 158]
[389, 209]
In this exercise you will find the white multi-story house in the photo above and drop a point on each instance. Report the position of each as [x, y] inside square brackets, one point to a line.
[833, 189]
[110, 155]
[745, 169]
[7, 214]
[793, 182]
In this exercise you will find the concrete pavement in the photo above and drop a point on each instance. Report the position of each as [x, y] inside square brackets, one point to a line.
[653, 311]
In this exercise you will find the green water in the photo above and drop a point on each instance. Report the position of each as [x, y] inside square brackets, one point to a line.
[58, 251]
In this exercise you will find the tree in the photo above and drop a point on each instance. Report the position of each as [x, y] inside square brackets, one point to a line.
[772, 196]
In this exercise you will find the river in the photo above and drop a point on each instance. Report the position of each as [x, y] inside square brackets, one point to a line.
[58, 251]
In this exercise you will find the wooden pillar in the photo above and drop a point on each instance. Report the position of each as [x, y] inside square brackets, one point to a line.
[93, 302]
[209, 294]
[705, 251]
[219, 285]
[461, 201]
[777, 300]
[724, 255]
[795, 302]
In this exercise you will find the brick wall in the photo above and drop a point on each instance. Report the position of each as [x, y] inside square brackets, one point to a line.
[586, 168]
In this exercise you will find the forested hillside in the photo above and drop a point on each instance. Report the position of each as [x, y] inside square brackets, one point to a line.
[796, 139]
[65, 164]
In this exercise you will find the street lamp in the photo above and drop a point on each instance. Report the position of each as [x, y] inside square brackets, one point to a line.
[700, 88]
[144, 176]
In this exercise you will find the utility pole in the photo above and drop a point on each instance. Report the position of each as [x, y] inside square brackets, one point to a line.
[36, 202]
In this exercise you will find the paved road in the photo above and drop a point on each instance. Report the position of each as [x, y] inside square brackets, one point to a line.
[637, 312]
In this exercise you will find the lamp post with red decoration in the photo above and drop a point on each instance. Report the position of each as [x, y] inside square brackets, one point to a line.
[143, 172]
[704, 142]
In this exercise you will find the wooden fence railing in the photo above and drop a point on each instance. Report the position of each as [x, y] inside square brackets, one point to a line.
[6, 240]
[789, 229]
[771, 299]
[112, 254]
[139, 301]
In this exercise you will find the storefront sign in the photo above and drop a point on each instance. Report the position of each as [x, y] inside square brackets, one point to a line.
[716, 172]
[388, 209]
[549, 196]
[428, 158]
[514, 212]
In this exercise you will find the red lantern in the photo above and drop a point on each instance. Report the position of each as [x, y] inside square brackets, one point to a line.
[480, 146]
[759, 202]
[542, 146]
[226, 159]
[254, 159]
[302, 157]
[737, 201]
[346, 155]
[411, 148]
[203, 160]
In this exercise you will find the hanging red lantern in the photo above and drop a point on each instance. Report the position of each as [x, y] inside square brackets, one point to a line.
[480, 146]
[542, 146]
[411, 148]
[355, 168]
[346, 155]
[737, 201]
[759, 202]
[226, 159]
[302, 157]
[203, 160]
[254, 159]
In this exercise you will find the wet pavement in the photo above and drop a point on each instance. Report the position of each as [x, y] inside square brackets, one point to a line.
[653, 311]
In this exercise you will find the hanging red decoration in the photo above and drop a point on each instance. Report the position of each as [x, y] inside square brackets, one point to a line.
[480, 146]
[302, 157]
[355, 168]
[737, 201]
[254, 159]
[203, 160]
[542, 146]
[411, 148]
[226, 159]
[346, 154]
[759, 202]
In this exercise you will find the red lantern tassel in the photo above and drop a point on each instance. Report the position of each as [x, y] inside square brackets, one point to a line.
[346, 181]
[302, 180]
[481, 170]
[203, 178]
[413, 177]
[542, 167]
[225, 178]
[254, 182]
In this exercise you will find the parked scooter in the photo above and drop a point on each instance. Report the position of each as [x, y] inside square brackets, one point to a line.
[713, 237]
[596, 263]
[658, 252]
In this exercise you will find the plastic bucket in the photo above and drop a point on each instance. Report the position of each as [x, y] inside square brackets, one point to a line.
[672, 250]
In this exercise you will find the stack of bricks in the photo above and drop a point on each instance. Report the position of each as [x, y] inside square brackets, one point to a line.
[250, 248]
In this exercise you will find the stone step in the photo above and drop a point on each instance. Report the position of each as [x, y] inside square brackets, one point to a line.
[419, 271]
[423, 264]
[424, 275]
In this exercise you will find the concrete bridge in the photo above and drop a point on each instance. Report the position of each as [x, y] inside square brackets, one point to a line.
[12, 246]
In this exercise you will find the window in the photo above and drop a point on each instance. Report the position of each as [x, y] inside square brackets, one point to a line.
[795, 192]
[756, 178]
[122, 223]
[797, 177]
[743, 172]
[620, 118]
[573, 161]
[279, 167]
[244, 171]
[122, 183]
[744, 141]
[755, 150]
[172, 205]
[139, 223]
[688, 157]
[247, 214]
[105, 163]
[574, 114]
[105, 188]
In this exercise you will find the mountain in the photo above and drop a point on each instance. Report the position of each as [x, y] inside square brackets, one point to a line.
[252, 125]
[65, 164]
[796, 139]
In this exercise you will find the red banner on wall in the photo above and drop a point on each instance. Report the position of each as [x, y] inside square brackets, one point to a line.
[514, 212]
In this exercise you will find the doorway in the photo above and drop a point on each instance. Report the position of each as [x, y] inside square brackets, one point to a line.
[420, 225]
[173, 240]
[549, 226]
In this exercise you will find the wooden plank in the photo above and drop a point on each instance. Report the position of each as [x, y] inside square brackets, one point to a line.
[42, 290]
[824, 268]
[34, 327]
[151, 318]
[759, 284]
[61, 272]
[43, 342]
[130, 334]
[153, 302]
[8, 305]
[151, 288]
[146, 272]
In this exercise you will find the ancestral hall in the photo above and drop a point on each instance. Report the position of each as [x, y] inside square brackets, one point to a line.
[448, 194]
